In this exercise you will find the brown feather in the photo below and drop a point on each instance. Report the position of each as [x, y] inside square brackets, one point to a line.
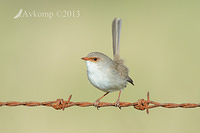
[121, 68]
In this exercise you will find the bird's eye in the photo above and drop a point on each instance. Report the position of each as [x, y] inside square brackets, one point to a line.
[95, 59]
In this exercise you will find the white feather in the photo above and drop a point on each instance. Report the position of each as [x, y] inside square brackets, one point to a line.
[104, 78]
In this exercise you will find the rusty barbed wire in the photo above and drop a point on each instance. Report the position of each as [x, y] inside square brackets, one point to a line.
[141, 104]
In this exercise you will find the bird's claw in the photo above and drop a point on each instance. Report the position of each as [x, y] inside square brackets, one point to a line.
[96, 104]
[117, 105]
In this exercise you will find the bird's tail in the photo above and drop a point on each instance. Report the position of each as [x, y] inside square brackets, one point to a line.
[116, 29]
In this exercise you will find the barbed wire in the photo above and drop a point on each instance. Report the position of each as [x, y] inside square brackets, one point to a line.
[141, 104]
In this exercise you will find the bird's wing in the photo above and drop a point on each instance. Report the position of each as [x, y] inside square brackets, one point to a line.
[130, 80]
[116, 29]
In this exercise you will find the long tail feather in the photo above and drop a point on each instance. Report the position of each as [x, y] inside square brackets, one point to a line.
[116, 29]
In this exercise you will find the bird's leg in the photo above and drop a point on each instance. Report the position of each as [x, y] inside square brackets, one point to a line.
[97, 101]
[117, 102]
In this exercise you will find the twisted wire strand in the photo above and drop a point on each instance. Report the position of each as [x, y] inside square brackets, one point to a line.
[141, 104]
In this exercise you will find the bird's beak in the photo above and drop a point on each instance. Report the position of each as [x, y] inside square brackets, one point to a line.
[85, 58]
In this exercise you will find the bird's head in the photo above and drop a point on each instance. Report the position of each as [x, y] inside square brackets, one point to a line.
[97, 59]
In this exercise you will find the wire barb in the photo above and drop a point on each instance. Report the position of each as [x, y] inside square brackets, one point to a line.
[141, 104]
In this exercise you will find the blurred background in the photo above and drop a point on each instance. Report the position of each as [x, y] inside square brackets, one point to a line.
[40, 60]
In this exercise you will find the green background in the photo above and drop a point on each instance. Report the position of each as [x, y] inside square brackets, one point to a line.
[40, 61]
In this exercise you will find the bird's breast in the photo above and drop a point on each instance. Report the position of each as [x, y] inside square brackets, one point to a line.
[104, 78]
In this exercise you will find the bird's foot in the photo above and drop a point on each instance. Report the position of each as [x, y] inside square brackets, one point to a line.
[96, 104]
[117, 104]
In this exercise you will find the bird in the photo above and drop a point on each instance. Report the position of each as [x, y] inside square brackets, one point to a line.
[106, 74]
